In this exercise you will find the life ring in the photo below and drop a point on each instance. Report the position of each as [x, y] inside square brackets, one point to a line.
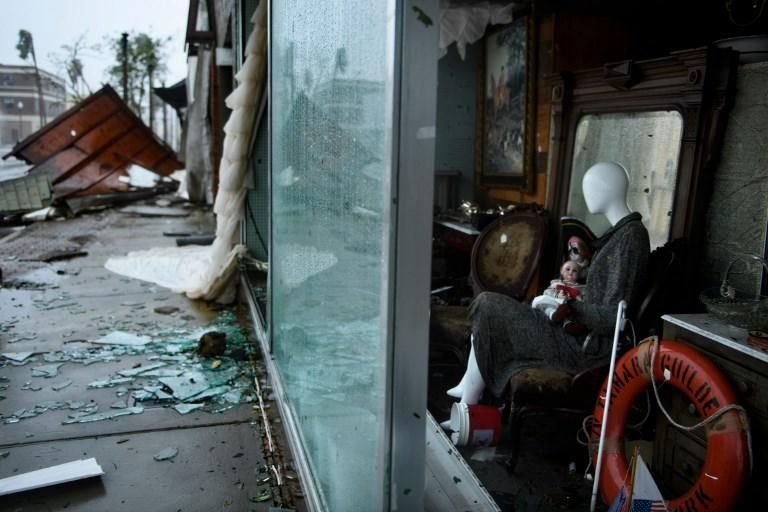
[726, 465]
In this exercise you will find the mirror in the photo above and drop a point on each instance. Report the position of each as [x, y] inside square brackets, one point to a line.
[647, 144]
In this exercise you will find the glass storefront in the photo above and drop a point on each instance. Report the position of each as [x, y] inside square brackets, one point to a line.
[331, 102]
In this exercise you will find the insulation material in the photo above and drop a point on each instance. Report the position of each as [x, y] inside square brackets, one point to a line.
[467, 24]
[204, 272]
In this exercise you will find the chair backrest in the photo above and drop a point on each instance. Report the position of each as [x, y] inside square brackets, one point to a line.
[506, 255]
[662, 287]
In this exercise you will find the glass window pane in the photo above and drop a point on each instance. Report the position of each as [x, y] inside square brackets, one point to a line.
[648, 145]
[331, 139]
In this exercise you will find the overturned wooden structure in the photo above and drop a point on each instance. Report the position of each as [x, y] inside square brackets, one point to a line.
[86, 150]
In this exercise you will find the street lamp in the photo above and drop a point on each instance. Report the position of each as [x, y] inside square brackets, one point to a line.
[20, 106]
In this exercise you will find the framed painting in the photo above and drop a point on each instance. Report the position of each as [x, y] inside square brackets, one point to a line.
[506, 107]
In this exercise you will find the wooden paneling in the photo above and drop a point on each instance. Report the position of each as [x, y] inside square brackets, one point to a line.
[66, 129]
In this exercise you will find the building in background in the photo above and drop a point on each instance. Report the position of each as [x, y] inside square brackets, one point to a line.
[19, 101]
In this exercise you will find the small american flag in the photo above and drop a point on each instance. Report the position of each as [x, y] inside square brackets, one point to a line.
[645, 494]
[648, 506]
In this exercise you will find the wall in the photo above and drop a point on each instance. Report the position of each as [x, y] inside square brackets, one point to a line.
[455, 130]
[738, 215]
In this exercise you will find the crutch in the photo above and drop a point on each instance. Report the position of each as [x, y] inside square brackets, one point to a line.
[617, 331]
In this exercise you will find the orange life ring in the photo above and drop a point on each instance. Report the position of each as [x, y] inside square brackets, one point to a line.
[726, 465]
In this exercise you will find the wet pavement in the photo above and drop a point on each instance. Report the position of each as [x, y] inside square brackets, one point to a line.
[99, 365]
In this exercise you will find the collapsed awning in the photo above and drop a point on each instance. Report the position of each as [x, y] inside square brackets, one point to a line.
[86, 149]
[175, 95]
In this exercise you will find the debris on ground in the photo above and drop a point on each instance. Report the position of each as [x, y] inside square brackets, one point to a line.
[173, 374]
[123, 338]
[212, 344]
[166, 454]
[61, 254]
[59, 474]
[155, 211]
[166, 310]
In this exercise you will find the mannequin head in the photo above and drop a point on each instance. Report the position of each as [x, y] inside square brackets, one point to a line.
[605, 187]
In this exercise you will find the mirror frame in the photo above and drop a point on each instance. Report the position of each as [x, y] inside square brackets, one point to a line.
[699, 83]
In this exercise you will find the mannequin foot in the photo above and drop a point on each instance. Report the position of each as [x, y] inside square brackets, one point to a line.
[457, 391]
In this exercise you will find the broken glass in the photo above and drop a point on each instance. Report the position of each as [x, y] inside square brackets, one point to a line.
[61, 385]
[166, 454]
[47, 370]
[123, 338]
[28, 386]
[120, 404]
[187, 408]
[18, 357]
[140, 370]
[105, 415]
[109, 382]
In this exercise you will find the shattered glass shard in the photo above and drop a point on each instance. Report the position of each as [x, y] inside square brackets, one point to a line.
[140, 370]
[108, 383]
[18, 357]
[187, 408]
[166, 454]
[105, 415]
[47, 370]
[61, 385]
[187, 385]
[28, 386]
[123, 338]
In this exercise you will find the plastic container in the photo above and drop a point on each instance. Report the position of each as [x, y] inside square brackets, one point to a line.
[475, 425]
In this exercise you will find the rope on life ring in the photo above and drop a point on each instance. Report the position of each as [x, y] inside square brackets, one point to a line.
[727, 462]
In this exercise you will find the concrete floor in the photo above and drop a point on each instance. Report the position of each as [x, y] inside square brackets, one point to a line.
[51, 307]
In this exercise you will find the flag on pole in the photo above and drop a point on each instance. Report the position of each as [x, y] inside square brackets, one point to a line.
[639, 492]
[646, 496]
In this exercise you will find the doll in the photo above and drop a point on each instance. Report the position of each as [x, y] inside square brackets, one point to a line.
[561, 290]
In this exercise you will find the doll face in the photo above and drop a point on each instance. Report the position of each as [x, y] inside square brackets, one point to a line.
[570, 272]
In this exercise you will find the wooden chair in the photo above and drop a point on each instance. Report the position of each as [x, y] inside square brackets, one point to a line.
[505, 258]
[552, 391]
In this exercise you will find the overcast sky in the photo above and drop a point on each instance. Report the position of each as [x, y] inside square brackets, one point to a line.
[57, 22]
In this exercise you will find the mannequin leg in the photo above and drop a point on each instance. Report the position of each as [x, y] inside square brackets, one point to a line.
[470, 388]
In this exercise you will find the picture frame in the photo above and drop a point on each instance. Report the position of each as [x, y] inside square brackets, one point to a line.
[506, 107]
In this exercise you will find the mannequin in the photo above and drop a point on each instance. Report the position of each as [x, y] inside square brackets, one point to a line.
[508, 336]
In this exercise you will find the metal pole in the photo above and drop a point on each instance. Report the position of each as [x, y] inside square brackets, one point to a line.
[151, 71]
[124, 46]
[598, 465]
[20, 106]
[165, 119]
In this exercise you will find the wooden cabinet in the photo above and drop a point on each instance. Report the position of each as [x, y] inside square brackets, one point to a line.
[678, 455]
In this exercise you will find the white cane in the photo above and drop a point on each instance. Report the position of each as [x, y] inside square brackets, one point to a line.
[617, 331]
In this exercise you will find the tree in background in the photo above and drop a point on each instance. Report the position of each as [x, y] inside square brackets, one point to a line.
[143, 62]
[69, 60]
[26, 47]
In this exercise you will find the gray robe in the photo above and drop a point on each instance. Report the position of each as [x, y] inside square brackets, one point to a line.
[510, 336]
